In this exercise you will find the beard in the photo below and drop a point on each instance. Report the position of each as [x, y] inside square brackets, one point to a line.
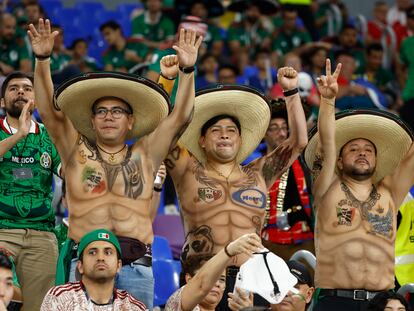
[360, 174]
[13, 109]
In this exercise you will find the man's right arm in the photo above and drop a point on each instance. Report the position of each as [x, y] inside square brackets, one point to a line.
[328, 88]
[59, 127]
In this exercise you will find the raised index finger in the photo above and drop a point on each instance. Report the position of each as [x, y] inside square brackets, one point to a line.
[328, 67]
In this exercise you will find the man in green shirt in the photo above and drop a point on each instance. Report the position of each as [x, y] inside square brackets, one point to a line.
[406, 58]
[123, 53]
[28, 160]
[152, 27]
[13, 55]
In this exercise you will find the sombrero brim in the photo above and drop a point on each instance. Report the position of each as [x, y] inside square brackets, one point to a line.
[246, 104]
[266, 7]
[391, 136]
[149, 102]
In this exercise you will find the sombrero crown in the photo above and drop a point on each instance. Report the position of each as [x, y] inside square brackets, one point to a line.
[244, 103]
[390, 135]
[149, 102]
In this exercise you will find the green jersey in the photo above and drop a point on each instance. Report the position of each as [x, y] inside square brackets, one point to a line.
[11, 52]
[117, 58]
[406, 56]
[285, 43]
[161, 30]
[26, 172]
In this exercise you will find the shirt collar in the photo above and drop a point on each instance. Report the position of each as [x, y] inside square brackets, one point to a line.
[148, 21]
[34, 127]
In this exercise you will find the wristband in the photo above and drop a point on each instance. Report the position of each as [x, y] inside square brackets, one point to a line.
[157, 189]
[187, 69]
[167, 78]
[290, 92]
[226, 251]
[42, 57]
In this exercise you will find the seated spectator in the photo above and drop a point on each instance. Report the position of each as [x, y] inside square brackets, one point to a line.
[207, 73]
[99, 262]
[388, 301]
[122, 53]
[206, 278]
[290, 38]
[377, 25]
[80, 58]
[314, 61]
[14, 54]
[325, 26]
[265, 75]
[6, 281]
[227, 74]
[301, 300]
[152, 27]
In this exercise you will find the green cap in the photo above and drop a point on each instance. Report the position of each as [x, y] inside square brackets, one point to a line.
[98, 235]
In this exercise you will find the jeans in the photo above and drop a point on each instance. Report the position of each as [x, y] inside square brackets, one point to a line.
[137, 280]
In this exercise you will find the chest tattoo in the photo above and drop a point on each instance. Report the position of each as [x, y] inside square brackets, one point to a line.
[209, 195]
[201, 177]
[250, 197]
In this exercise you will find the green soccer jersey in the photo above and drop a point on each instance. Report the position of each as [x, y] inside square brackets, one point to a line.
[11, 53]
[162, 30]
[117, 58]
[26, 172]
[285, 43]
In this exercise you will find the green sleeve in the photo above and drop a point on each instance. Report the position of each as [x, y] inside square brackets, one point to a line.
[403, 54]
[24, 52]
[138, 25]
[155, 66]
[233, 34]
[169, 28]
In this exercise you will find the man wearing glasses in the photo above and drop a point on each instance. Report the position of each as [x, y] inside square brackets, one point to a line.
[110, 185]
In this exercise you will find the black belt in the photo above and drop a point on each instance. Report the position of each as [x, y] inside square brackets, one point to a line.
[143, 261]
[355, 294]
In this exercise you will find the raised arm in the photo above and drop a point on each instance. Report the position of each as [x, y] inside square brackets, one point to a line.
[59, 127]
[328, 88]
[200, 285]
[156, 194]
[170, 129]
[24, 127]
[276, 162]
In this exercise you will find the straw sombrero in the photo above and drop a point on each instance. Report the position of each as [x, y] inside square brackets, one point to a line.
[391, 136]
[246, 104]
[149, 102]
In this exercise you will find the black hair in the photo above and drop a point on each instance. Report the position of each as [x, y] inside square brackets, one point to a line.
[380, 300]
[348, 26]
[343, 52]
[114, 25]
[5, 262]
[76, 41]
[130, 110]
[379, 3]
[374, 47]
[215, 119]
[229, 66]
[11, 76]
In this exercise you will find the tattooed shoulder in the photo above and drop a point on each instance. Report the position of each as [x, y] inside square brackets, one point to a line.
[275, 163]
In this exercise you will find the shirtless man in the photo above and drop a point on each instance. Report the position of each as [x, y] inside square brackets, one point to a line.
[364, 169]
[110, 185]
[220, 199]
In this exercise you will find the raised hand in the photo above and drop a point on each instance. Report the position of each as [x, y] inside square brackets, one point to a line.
[328, 85]
[187, 48]
[287, 77]
[42, 40]
[25, 119]
[169, 66]
[246, 244]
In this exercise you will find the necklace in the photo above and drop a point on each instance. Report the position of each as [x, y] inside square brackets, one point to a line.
[363, 206]
[112, 155]
[221, 174]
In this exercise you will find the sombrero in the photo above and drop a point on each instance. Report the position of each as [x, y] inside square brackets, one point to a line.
[391, 136]
[149, 102]
[246, 104]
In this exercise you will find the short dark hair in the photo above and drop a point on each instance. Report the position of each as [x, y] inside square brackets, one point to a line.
[76, 41]
[343, 52]
[374, 47]
[215, 119]
[380, 300]
[130, 110]
[5, 262]
[194, 262]
[114, 25]
[11, 76]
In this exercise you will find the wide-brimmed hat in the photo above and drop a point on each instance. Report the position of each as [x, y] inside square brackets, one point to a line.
[149, 102]
[390, 135]
[266, 7]
[246, 104]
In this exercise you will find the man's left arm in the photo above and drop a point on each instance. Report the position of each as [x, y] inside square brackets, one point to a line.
[170, 129]
[274, 164]
[403, 178]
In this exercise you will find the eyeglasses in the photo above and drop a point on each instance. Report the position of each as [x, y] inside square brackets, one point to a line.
[277, 129]
[116, 112]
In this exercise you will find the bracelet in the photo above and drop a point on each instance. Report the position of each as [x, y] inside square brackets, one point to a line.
[226, 251]
[187, 69]
[157, 189]
[290, 92]
[42, 57]
[167, 78]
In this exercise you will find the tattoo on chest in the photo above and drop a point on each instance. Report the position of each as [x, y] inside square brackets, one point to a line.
[92, 180]
[250, 179]
[250, 197]
[379, 224]
[201, 177]
[275, 163]
[257, 223]
[172, 157]
[209, 195]
[198, 241]
[91, 153]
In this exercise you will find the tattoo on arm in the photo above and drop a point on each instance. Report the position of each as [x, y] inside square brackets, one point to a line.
[257, 223]
[181, 131]
[317, 166]
[92, 149]
[275, 163]
[172, 157]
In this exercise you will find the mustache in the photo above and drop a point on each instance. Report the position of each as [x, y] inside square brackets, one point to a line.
[22, 99]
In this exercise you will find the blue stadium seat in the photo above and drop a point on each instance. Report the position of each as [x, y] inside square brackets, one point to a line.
[104, 16]
[52, 8]
[126, 8]
[161, 248]
[90, 7]
[67, 17]
[166, 278]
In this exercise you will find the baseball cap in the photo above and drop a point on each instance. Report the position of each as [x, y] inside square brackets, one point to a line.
[300, 272]
[98, 235]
